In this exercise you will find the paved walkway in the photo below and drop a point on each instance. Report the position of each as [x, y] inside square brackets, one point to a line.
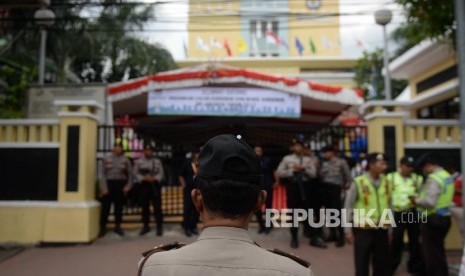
[118, 256]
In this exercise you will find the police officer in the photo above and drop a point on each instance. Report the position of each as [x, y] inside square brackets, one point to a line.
[404, 184]
[334, 176]
[228, 190]
[369, 196]
[296, 171]
[268, 184]
[116, 182]
[148, 171]
[434, 201]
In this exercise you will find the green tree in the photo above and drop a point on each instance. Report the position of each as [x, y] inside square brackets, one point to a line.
[89, 42]
[13, 83]
[425, 19]
[369, 78]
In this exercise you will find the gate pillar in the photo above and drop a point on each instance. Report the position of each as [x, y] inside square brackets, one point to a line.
[77, 219]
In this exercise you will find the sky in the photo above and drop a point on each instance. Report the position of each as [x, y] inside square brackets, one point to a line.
[357, 32]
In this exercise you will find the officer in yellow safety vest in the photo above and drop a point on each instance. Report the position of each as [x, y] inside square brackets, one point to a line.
[368, 200]
[404, 184]
[434, 201]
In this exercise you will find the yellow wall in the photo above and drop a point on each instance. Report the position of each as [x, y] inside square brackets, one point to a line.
[205, 26]
[302, 26]
[74, 217]
[32, 224]
[87, 151]
[219, 20]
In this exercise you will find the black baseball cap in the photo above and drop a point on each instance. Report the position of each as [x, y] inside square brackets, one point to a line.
[226, 157]
[407, 160]
[427, 158]
[376, 156]
[299, 139]
[327, 149]
[148, 147]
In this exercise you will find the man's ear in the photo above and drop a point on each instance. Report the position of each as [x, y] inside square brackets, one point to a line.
[197, 200]
[260, 201]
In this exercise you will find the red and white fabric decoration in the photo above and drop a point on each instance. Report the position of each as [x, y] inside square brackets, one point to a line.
[219, 74]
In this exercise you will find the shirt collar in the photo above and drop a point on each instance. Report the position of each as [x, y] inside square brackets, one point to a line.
[227, 233]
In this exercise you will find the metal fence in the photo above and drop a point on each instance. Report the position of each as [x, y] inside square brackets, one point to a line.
[173, 142]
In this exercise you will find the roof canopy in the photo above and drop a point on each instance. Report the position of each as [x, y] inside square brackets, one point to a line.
[320, 103]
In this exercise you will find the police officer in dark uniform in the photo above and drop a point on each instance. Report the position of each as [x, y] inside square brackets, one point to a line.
[296, 171]
[116, 183]
[186, 179]
[148, 171]
[335, 176]
[268, 184]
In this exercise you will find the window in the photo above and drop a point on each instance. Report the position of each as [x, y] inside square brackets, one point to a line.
[263, 3]
[264, 38]
[449, 109]
[438, 78]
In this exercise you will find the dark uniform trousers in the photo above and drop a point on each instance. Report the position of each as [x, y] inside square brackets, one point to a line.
[151, 192]
[309, 199]
[434, 232]
[115, 196]
[313, 201]
[268, 205]
[331, 197]
[371, 245]
[190, 215]
[415, 263]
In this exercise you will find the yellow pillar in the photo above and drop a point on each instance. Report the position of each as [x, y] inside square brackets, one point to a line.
[379, 124]
[76, 218]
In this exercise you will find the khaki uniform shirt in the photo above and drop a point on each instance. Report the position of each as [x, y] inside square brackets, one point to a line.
[117, 168]
[335, 171]
[285, 168]
[144, 167]
[222, 251]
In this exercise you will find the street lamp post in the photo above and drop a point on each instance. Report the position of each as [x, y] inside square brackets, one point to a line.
[44, 18]
[383, 17]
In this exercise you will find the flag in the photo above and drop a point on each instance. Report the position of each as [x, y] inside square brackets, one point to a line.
[360, 43]
[242, 46]
[283, 43]
[299, 45]
[312, 45]
[226, 47]
[326, 43]
[202, 45]
[215, 43]
[258, 29]
[272, 38]
[185, 49]
[255, 48]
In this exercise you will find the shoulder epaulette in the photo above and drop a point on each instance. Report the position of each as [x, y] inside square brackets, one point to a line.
[290, 256]
[156, 249]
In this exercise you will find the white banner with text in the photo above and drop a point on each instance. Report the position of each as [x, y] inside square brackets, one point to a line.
[224, 101]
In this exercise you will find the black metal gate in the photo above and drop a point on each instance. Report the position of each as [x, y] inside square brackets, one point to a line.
[173, 142]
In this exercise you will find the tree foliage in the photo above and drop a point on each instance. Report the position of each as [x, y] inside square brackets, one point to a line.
[432, 19]
[369, 78]
[89, 42]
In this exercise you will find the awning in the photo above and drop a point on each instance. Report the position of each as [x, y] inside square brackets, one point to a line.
[320, 103]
